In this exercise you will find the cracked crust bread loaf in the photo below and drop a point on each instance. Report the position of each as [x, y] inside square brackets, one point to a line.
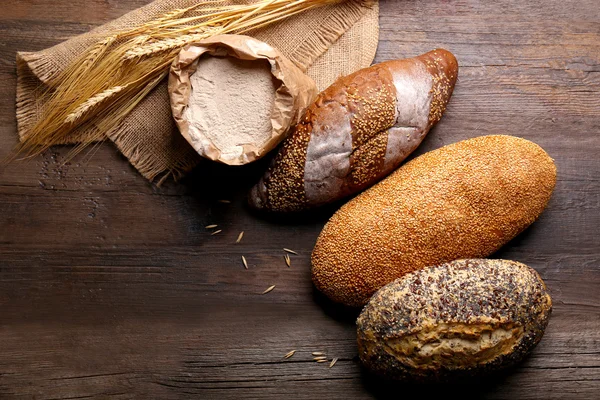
[464, 200]
[459, 319]
[357, 131]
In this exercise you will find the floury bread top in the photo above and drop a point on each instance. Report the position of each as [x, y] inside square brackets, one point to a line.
[357, 131]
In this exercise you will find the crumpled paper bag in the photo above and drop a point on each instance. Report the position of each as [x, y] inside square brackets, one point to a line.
[295, 92]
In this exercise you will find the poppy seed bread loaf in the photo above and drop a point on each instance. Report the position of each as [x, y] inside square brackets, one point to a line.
[357, 131]
[463, 318]
[465, 200]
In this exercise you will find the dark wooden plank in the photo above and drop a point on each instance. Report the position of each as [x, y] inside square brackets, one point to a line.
[111, 287]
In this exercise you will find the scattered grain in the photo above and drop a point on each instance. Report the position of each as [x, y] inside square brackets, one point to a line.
[245, 262]
[333, 362]
[216, 232]
[240, 236]
[288, 262]
[288, 355]
[290, 251]
[210, 226]
[270, 288]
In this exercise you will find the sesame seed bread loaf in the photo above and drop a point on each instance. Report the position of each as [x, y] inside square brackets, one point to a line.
[463, 318]
[357, 131]
[465, 200]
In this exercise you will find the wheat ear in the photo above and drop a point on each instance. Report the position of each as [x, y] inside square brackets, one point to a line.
[92, 103]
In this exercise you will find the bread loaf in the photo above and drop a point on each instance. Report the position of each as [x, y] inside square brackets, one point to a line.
[465, 200]
[459, 319]
[357, 131]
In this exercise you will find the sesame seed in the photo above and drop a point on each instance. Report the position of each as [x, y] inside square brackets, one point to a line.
[465, 199]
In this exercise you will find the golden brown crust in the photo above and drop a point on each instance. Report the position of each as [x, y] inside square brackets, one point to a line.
[282, 187]
[442, 66]
[372, 104]
[465, 200]
[464, 317]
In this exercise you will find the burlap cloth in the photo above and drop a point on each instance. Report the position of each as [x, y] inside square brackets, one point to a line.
[326, 42]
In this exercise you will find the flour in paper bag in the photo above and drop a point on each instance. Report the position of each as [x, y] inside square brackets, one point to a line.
[231, 103]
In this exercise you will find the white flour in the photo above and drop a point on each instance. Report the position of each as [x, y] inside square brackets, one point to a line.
[230, 103]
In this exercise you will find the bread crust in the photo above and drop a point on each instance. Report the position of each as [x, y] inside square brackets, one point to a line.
[463, 318]
[357, 131]
[465, 200]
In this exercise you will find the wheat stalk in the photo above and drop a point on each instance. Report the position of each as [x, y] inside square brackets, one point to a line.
[108, 80]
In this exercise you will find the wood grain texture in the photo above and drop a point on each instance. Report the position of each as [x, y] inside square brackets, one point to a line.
[112, 288]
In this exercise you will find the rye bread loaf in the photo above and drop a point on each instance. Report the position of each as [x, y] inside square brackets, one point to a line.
[465, 200]
[463, 318]
[357, 131]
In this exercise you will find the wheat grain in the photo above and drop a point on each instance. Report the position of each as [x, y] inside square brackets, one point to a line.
[97, 50]
[320, 358]
[288, 355]
[141, 40]
[288, 262]
[162, 46]
[270, 288]
[172, 15]
[210, 226]
[245, 262]
[289, 251]
[91, 103]
[317, 353]
[216, 232]
[333, 362]
[321, 361]
[240, 236]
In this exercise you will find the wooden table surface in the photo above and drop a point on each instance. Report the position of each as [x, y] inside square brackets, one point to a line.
[112, 287]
